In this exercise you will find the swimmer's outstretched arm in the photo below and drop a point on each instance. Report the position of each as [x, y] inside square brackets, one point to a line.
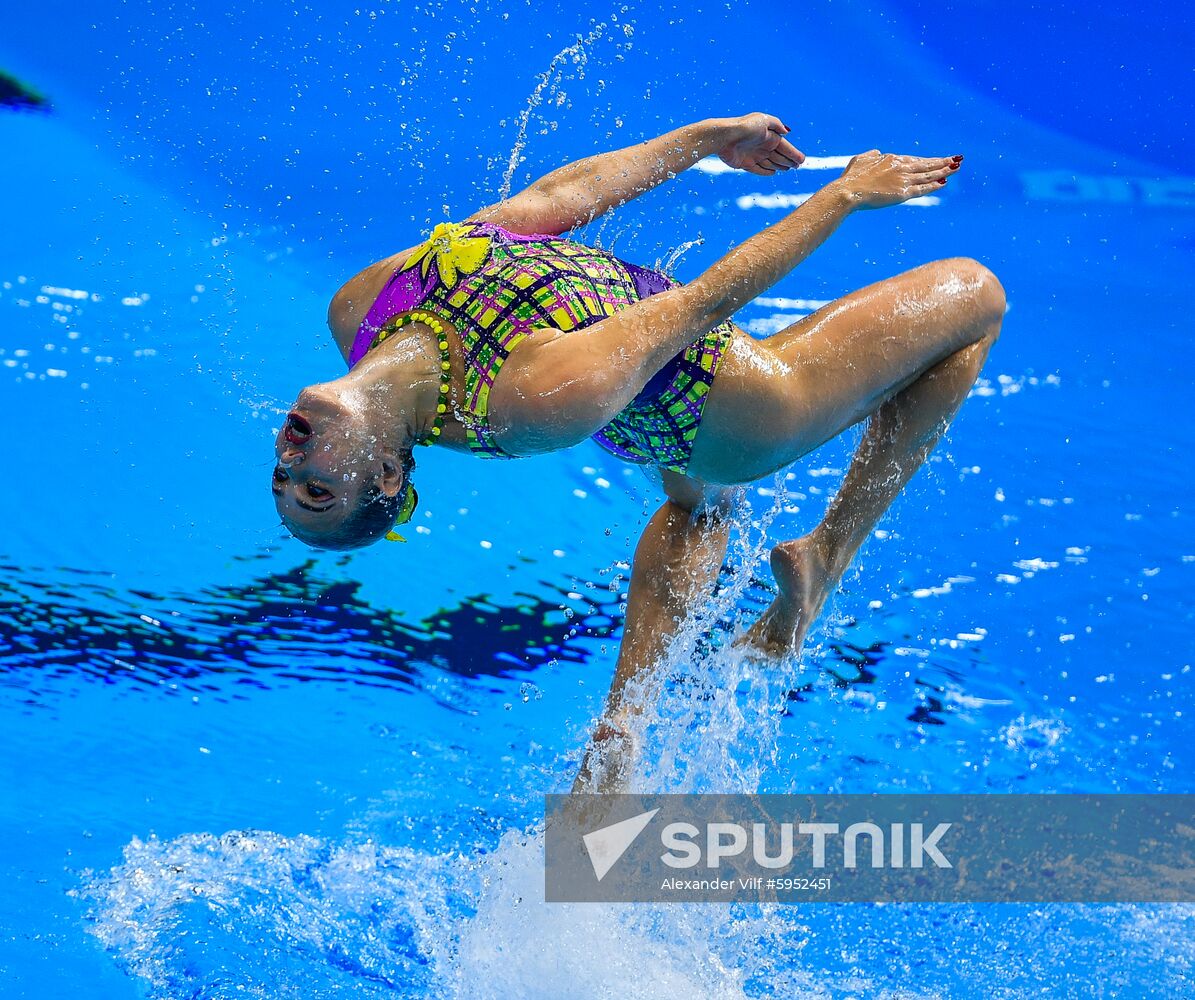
[580, 192]
[565, 389]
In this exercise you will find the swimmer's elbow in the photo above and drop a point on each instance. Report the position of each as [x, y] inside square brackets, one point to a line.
[533, 211]
[538, 429]
[706, 304]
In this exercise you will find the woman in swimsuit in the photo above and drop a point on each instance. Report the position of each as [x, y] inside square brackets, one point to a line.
[588, 345]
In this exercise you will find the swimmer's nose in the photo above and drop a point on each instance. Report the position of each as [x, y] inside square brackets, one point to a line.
[290, 457]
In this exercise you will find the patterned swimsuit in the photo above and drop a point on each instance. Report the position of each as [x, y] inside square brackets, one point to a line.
[496, 287]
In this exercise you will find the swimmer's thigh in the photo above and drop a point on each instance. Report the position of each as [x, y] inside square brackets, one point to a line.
[776, 400]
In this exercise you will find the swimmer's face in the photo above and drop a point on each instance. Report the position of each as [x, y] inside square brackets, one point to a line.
[326, 457]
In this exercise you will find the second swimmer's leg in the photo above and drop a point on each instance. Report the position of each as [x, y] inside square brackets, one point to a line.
[676, 564]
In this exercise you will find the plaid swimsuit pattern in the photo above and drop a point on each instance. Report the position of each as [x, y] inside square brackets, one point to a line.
[496, 288]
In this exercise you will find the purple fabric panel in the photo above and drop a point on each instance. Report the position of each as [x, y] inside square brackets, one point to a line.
[404, 291]
[649, 283]
[509, 237]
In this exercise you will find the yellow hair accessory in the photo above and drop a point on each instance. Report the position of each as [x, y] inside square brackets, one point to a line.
[410, 501]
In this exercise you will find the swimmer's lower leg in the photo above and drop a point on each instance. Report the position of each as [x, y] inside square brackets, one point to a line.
[899, 437]
[676, 563]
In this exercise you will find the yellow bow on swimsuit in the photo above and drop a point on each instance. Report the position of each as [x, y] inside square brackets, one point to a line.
[455, 250]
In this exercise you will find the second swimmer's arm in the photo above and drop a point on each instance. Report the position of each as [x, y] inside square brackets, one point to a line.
[580, 192]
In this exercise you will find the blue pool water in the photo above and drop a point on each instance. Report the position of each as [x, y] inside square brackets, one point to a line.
[232, 767]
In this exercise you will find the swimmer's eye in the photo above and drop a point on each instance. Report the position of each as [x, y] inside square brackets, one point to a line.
[317, 492]
[279, 478]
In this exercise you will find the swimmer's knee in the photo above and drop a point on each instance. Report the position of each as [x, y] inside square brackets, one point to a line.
[703, 504]
[984, 290]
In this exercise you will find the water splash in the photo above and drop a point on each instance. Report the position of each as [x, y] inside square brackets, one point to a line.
[261, 914]
[711, 727]
[258, 914]
[196, 914]
[668, 265]
[549, 83]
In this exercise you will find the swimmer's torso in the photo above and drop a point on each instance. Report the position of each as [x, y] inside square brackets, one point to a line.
[495, 288]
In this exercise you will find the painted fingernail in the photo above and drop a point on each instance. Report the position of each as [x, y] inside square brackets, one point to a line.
[942, 180]
[957, 159]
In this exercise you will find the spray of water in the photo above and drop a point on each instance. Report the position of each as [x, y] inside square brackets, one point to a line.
[190, 914]
[669, 264]
[549, 82]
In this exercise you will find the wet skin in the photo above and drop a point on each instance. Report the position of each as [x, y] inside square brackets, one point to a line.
[308, 481]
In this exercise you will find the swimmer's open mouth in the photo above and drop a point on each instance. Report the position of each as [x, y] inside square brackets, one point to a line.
[297, 430]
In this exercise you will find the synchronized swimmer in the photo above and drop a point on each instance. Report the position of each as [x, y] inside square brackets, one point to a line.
[500, 338]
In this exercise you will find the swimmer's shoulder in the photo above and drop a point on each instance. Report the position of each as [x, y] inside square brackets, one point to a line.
[352, 300]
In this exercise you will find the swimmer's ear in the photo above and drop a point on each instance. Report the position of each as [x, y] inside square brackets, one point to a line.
[393, 477]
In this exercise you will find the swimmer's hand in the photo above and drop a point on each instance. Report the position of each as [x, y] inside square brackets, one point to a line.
[877, 180]
[759, 147]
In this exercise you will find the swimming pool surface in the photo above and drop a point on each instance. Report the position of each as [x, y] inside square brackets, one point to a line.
[232, 767]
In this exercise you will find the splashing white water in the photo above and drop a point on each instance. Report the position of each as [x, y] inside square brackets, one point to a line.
[198, 913]
[263, 915]
[549, 82]
[273, 916]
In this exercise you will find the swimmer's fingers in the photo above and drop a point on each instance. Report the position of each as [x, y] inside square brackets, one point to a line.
[932, 176]
[876, 180]
[933, 172]
[770, 161]
[940, 166]
[758, 145]
[760, 164]
[926, 176]
[789, 152]
[917, 173]
[926, 188]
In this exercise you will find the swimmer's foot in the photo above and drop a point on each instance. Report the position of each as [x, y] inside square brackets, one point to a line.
[609, 758]
[805, 579]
